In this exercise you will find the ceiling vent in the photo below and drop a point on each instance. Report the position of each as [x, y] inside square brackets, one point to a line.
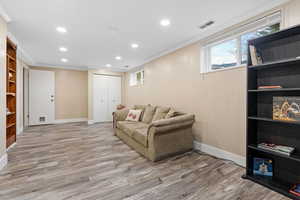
[207, 24]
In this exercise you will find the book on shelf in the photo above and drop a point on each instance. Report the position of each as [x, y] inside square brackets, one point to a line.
[295, 190]
[255, 56]
[269, 87]
[285, 150]
[262, 167]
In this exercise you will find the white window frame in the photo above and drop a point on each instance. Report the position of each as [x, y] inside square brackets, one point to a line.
[206, 66]
[133, 78]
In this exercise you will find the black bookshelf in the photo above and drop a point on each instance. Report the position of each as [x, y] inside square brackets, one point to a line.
[280, 53]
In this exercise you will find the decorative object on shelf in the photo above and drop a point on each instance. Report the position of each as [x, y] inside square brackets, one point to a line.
[120, 107]
[269, 87]
[255, 56]
[286, 108]
[10, 76]
[263, 167]
[295, 190]
[286, 150]
[7, 111]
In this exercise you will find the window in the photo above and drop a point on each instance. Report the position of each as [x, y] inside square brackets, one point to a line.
[232, 52]
[136, 78]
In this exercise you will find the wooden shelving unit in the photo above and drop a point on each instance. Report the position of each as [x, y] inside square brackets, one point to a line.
[11, 90]
[281, 66]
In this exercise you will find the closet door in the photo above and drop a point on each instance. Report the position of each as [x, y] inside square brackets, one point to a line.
[114, 95]
[100, 99]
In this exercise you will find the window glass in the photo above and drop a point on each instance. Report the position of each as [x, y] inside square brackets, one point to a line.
[224, 55]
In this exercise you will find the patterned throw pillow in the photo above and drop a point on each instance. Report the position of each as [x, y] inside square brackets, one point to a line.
[134, 115]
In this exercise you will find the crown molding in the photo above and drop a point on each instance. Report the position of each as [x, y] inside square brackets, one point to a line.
[45, 65]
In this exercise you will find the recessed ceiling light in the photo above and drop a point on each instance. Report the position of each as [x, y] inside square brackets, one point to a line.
[108, 65]
[63, 49]
[165, 22]
[134, 46]
[64, 60]
[118, 58]
[61, 29]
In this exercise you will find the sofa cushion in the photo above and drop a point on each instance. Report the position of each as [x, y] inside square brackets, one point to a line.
[129, 127]
[141, 136]
[148, 114]
[160, 113]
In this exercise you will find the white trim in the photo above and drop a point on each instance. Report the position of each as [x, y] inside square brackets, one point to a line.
[20, 131]
[3, 161]
[220, 153]
[60, 67]
[63, 121]
[90, 122]
[4, 15]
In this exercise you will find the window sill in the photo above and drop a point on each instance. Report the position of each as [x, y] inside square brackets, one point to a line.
[225, 69]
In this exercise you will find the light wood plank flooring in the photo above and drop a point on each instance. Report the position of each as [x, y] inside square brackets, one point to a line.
[76, 161]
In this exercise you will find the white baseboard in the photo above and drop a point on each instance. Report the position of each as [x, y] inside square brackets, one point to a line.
[220, 153]
[91, 122]
[63, 121]
[3, 161]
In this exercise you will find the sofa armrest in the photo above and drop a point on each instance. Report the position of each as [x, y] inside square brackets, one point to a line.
[167, 125]
[173, 120]
[120, 115]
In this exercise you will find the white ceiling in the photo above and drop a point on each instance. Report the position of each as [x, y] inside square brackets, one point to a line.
[99, 30]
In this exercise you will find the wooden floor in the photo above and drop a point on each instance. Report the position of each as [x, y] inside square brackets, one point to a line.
[76, 161]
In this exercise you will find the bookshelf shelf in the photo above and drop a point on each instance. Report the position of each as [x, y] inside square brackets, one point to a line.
[294, 157]
[272, 120]
[10, 125]
[276, 90]
[10, 94]
[281, 67]
[279, 63]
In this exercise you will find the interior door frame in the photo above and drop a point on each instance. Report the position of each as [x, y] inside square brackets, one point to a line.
[109, 75]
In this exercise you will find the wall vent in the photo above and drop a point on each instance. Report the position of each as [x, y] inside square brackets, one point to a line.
[42, 119]
[207, 24]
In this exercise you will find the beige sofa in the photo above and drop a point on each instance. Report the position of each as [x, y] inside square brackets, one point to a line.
[161, 132]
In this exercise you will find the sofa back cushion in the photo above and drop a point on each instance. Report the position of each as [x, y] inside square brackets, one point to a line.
[171, 113]
[148, 114]
[140, 107]
[160, 113]
[134, 115]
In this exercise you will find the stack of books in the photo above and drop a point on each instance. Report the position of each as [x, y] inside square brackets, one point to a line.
[285, 150]
[295, 190]
[255, 56]
[269, 87]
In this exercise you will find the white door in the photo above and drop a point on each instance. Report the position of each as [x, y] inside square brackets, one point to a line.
[100, 96]
[107, 95]
[114, 95]
[41, 97]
